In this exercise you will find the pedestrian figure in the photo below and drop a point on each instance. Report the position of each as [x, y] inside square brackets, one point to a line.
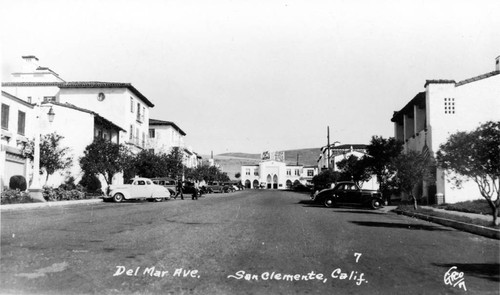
[179, 190]
[196, 190]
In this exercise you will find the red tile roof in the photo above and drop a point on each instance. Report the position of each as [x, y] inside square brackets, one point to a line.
[85, 84]
[154, 122]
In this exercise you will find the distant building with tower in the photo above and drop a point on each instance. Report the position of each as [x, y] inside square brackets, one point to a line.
[274, 173]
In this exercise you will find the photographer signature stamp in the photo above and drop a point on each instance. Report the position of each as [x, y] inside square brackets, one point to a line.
[455, 278]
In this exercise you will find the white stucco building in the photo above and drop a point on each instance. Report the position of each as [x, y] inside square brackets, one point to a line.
[164, 135]
[341, 152]
[83, 110]
[17, 117]
[79, 127]
[443, 108]
[120, 103]
[272, 174]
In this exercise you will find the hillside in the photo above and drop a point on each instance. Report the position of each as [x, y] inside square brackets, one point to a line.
[307, 157]
[231, 162]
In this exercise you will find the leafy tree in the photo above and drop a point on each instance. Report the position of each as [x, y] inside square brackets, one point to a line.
[150, 165]
[475, 155]
[412, 168]
[381, 153]
[237, 175]
[175, 167]
[324, 179]
[53, 157]
[207, 173]
[90, 182]
[354, 169]
[105, 158]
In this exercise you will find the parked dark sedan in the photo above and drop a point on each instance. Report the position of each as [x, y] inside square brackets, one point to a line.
[349, 193]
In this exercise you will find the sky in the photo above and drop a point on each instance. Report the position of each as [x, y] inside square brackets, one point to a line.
[253, 76]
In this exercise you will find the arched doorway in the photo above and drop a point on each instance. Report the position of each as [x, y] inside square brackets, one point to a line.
[255, 184]
[288, 183]
[269, 181]
[247, 183]
[275, 181]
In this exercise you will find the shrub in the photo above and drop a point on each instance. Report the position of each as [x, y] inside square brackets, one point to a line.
[18, 182]
[59, 194]
[90, 182]
[69, 184]
[11, 196]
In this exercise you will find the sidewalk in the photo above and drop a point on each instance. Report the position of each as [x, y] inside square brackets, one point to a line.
[24, 206]
[458, 213]
[463, 226]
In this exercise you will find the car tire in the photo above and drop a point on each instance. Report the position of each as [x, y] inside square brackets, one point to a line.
[328, 202]
[375, 204]
[158, 199]
[118, 197]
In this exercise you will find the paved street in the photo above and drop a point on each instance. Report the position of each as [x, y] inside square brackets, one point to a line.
[247, 242]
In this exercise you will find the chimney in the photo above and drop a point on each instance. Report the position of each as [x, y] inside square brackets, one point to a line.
[30, 63]
[497, 66]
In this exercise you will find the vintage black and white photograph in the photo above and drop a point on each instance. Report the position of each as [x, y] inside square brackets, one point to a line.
[250, 147]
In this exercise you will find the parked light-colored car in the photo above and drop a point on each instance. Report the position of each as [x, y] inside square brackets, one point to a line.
[138, 188]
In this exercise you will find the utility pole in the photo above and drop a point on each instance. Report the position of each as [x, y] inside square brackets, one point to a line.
[328, 146]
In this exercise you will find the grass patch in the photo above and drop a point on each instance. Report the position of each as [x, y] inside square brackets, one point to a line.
[430, 212]
[476, 206]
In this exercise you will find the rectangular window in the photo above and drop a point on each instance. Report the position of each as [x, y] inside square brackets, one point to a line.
[21, 122]
[297, 172]
[49, 98]
[310, 172]
[131, 105]
[247, 171]
[5, 116]
[449, 106]
[256, 172]
[143, 113]
[143, 139]
[152, 133]
[137, 136]
[139, 112]
[131, 132]
[29, 99]
[288, 172]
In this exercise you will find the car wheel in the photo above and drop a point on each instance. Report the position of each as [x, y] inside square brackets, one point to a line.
[118, 197]
[158, 199]
[328, 202]
[375, 204]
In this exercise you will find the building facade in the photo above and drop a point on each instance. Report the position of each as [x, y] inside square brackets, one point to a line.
[272, 174]
[83, 111]
[120, 103]
[165, 135]
[443, 108]
[17, 119]
[338, 153]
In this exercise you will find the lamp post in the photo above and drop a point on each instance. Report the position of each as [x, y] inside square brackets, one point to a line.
[35, 187]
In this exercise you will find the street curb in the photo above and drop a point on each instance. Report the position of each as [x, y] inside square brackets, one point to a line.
[471, 228]
[25, 206]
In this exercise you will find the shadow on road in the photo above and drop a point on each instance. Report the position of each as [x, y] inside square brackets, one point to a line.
[400, 225]
[310, 203]
[489, 271]
[367, 211]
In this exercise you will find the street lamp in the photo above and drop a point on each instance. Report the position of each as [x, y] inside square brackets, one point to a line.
[35, 187]
[51, 115]
[330, 156]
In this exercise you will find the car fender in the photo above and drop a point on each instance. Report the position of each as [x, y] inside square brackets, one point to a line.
[124, 192]
[160, 193]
